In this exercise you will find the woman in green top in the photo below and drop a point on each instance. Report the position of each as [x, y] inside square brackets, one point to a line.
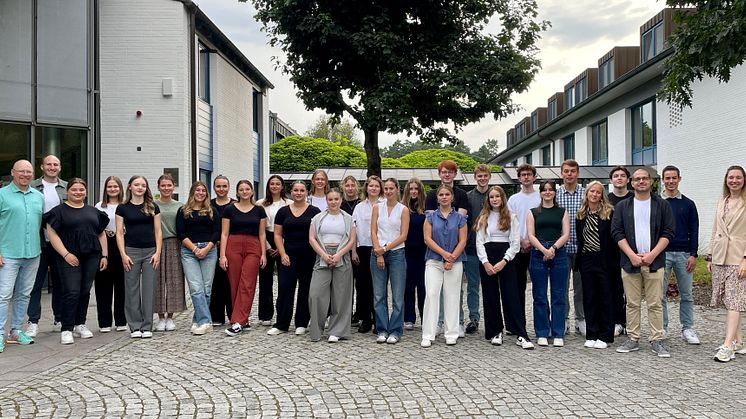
[169, 291]
[548, 228]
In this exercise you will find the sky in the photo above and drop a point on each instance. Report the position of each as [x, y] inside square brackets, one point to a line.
[582, 31]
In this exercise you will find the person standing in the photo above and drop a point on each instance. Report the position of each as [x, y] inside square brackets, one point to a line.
[598, 258]
[445, 236]
[569, 196]
[350, 199]
[548, 231]
[388, 231]
[243, 252]
[331, 236]
[292, 226]
[619, 177]
[361, 255]
[76, 232]
[21, 209]
[275, 199]
[727, 261]
[521, 204]
[140, 249]
[477, 198]
[111, 279]
[55, 193]
[681, 253]
[198, 230]
[643, 226]
[414, 252]
[169, 291]
[220, 299]
[319, 188]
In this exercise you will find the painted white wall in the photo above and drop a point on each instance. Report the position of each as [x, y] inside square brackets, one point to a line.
[619, 131]
[141, 43]
[583, 146]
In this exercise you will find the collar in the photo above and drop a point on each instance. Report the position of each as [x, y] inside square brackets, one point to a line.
[666, 196]
[14, 188]
[440, 213]
[578, 188]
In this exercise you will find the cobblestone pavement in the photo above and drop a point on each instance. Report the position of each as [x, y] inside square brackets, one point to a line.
[175, 374]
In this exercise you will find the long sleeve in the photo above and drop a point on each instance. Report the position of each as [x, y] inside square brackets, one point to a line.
[480, 240]
[693, 229]
[515, 238]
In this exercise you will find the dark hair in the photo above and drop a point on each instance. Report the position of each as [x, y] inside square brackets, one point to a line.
[525, 167]
[74, 181]
[245, 182]
[618, 168]
[268, 199]
[165, 176]
[670, 168]
[219, 177]
[373, 178]
[551, 183]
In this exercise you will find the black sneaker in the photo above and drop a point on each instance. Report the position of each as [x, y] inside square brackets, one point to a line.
[472, 326]
[355, 321]
[234, 330]
[365, 327]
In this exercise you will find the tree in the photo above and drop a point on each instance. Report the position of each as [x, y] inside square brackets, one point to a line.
[399, 148]
[304, 154]
[431, 158]
[708, 41]
[487, 151]
[327, 127]
[406, 66]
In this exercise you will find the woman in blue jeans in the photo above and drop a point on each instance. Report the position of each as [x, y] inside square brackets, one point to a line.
[198, 230]
[388, 230]
[548, 228]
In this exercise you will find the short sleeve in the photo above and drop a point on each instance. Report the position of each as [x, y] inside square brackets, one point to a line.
[103, 221]
[156, 209]
[261, 213]
[119, 211]
[462, 220]
[280, 216]
[463, 200]
[54, 218]
[228, 212]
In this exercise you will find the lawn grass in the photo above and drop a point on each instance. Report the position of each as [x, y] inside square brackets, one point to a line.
[701, 275]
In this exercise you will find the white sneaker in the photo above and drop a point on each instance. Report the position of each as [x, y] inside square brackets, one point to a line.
[82, 331]
[32, 329]
[451, 341]
[275, 331]
[524, 343]
[408, 325]
[121, 328]
[265, 322]
[558, 342]
[690, 336]
[57, 327]
[426, 343]
[170, 325]
[160, 325]
[136, 334]
[66, 338]
[589, 344]
[618, 330]
[461, 331]
[497, 340]
[105, 329]
[600, 344]
[392, 339]
[147, 334]
[739, 348]
[201, 329]
[580, 327]
[381, 338]
[333, 339]
[542, 342]
[300, 330]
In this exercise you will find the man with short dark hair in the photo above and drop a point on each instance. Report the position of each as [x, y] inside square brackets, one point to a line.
[21, 209]
[619, 177]
[569, 197]
[476, 196]
[681, 253]
[643, 226]
[54, 191]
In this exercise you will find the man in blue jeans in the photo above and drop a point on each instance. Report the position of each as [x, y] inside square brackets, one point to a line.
[681, 253]
[477, 196]
[21, 208]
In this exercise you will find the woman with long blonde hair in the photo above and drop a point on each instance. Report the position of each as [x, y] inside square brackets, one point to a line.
[597, 257]
[414, 252]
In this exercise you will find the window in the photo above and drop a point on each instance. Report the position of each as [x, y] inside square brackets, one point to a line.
[581, 91]
[552, 109]
[570, 97]
[534, 121]
[256, 109]
[605, 73]
[204, 73]
[546, 155]
[644, 149]
[205, 176]
[514, 163]
[527, 159]
[519, 131]
[568, 144]
[69, 144]
[652, 42]
[15, 143]
[599, 144]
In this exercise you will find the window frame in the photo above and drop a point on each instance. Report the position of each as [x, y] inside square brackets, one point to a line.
[653, 49]
[638, 153]
[568, 140]
[599, 151]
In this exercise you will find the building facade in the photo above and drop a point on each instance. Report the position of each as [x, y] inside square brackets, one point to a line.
[121, 88]
[610, 116]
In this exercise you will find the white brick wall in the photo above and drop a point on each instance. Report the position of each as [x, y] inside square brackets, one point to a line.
[142, 42]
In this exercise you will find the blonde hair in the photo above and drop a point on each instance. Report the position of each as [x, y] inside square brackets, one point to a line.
[726, 189]
[149, 207]
[326, 181]
[484, 214]
[205, 206]
[604, 207]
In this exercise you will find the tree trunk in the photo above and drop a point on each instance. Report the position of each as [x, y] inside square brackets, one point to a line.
[372, 152]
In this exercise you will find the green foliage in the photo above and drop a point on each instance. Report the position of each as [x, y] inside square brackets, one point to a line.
[701, 275]
[333, 130]
[302, 154]
[431, 158]
[487, 151]
[709, 41]
[405, 66]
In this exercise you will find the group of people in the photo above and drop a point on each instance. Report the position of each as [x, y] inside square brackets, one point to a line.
[341, 251]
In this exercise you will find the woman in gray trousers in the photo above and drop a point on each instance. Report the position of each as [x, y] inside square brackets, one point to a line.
[139, 241]
[332, 236]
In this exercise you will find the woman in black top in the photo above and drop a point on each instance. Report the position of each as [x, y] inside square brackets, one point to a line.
[292, 226]
[76, 231]
[242, 252]
[220, 300]
[598, 258]
[141, 252]
[198, 231]
[414, 251]
[351, 194]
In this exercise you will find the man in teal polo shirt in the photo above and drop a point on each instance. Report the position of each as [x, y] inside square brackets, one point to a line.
[21, 209]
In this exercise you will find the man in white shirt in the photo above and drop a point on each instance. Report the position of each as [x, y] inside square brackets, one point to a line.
[54, 190]
[520, 204]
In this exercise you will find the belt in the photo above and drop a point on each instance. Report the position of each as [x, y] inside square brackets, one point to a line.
[110, 233]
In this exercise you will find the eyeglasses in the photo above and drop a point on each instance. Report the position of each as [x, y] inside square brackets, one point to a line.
[24, 172]
[640, 179]
[446, 172]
